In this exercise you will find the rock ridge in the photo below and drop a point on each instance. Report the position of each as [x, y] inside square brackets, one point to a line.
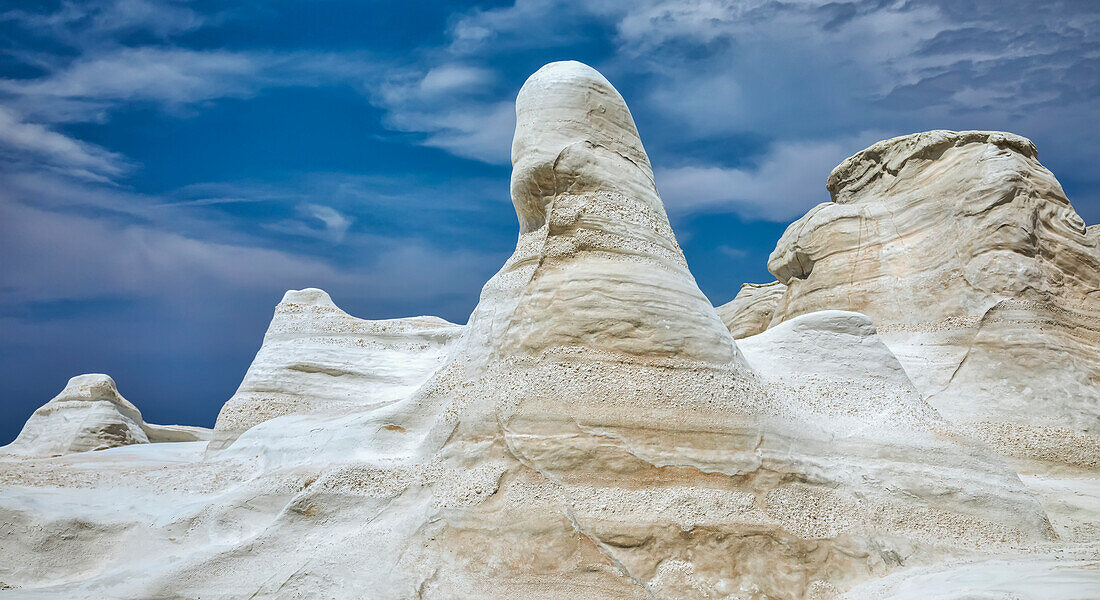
[888, 157]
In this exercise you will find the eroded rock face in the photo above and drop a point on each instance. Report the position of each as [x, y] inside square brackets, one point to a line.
[318, 359]
[590, 216]
[90, 414]
[936, 225]
[752, 310]
[594, 431]
[596, 427]
[966, 254]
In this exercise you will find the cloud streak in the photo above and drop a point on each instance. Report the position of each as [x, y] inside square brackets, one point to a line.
[21, 141]
[786, 183]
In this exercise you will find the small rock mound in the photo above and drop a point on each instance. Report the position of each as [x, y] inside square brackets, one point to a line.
[90, 414]
[751, 311]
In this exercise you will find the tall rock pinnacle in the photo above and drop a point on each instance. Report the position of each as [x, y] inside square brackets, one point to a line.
[600, 265]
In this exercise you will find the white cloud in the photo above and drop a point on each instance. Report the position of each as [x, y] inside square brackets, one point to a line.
[450, 78]
[90, 21]
[90, 86]
[450, 106]
[336, 223]
[73, 157]
[167, 75]
[524, 24]
[56, 256]
[480, 132]
[788, 181]
[321, 222]
[87, 88]
[733, 253]
[51, 255]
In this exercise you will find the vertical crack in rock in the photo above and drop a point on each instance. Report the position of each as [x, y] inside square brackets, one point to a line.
[607, 551]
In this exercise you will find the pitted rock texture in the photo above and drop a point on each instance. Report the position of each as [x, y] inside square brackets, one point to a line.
[90, 414]
[595, 425]
[316, 358]
[752, 310]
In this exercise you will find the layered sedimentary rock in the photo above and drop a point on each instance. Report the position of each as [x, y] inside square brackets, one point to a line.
[966, 254]
[752, 310]
[316, 359]
[594, 431]
[982, 279]
[90, 414]
[937, 225]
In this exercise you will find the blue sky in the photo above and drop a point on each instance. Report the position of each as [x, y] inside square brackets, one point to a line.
[168, 168]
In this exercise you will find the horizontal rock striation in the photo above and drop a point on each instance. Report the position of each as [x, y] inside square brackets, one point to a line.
[936, 225]
[967, 255]
[316, 358]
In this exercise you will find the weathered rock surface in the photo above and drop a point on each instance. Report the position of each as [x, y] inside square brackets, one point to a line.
[936, 225]
[1030, 578]
[752, 310]
[617, 413]
[965, 253]
[969, 259]
[317, 359]
[845, 345]
[90, 414]
[594, 431]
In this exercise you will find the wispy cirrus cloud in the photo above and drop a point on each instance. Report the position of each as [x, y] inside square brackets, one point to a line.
[22, 142]
[102, 21]
[454, 106]
[88, 86]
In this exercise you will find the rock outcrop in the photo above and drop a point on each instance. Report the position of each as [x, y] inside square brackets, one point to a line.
[317, 359]
[752, 310]
[593, 431]
[983, 281]
[937, 225]
[596, 426]
[966, 254]
[90, 414]
[845, 345]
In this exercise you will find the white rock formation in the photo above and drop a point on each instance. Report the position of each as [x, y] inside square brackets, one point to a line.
[595, 425]
[317, 359]
[90, 414]
[594, 431]
[969, 259]
[1045, 578]
[936, 225]
[966, 254]
[845, 345]
[752, 310]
